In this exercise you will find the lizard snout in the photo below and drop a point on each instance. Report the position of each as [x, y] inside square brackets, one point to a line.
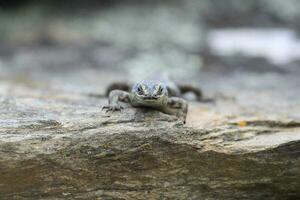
[151, 97]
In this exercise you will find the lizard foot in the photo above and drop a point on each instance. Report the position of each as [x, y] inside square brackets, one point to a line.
[112, 108]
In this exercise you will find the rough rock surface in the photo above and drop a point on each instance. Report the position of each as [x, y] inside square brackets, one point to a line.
[59, 144]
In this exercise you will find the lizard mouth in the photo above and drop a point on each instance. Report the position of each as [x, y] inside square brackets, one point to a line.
[150, 98]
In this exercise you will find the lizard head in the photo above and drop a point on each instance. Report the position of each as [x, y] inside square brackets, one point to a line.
[150, 92]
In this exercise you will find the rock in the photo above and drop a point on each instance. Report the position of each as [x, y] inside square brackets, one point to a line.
[63, 146]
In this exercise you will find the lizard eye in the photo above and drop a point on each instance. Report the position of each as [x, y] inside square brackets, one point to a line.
[160, 90]
[140, 90]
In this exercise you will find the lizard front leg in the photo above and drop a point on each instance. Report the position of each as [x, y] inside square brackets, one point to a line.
[114, 98]
[124, 86]
[178, 107]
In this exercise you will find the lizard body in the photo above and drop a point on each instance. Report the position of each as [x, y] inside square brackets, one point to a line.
[158, 95]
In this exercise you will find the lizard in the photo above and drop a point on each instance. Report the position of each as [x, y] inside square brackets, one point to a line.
[162, 96]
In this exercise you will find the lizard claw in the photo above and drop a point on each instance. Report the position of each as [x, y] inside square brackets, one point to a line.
[112, 108]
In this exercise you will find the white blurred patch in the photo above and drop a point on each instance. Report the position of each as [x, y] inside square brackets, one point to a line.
[279, 46]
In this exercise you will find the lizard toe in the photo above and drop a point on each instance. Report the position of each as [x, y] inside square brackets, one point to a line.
[112, 108]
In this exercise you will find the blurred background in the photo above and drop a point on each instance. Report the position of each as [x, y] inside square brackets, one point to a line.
[239, 49]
